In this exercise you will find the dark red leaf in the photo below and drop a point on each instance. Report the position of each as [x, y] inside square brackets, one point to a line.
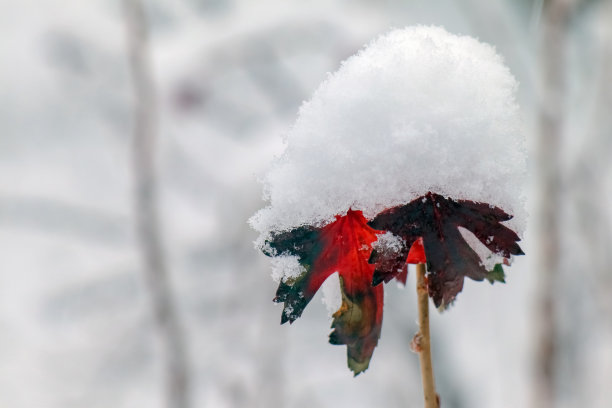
[343, 246]
[436, 219]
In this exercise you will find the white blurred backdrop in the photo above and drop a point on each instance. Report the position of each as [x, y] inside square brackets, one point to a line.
[78, 327]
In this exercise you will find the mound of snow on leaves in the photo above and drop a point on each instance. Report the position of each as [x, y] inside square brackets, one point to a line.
[417, 110]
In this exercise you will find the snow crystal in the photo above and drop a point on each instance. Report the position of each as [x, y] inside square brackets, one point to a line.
[286, 267]
[417, 110]
[388, 242]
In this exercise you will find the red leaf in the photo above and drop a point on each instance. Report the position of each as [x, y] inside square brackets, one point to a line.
[417, 253]
[343, 246]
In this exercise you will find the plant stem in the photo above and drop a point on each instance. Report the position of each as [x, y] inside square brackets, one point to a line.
[422, 341]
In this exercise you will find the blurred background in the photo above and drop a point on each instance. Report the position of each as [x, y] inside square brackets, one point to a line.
[128, 170]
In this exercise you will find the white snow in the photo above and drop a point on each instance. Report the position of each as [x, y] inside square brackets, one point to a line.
[388, 242]
[417, 110]
[332, 297]
[286, 267]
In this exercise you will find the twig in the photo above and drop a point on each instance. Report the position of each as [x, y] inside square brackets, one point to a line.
[422, 343]
[155, 270]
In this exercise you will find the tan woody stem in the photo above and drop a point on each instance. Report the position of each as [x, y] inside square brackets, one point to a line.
[421, 342]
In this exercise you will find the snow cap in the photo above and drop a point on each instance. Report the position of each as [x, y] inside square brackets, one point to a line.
[417, 110]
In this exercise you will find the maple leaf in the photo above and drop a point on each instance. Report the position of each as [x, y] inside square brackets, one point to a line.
[436, 220]
[343, 246]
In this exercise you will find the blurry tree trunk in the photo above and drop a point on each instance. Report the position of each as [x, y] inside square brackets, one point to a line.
[603, 152]
[155, 270]
[591, 174]
[555, 20]
[590, 190]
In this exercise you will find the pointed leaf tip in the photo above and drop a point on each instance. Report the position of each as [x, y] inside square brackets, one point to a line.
[497, 274]
[377, 279]
[358, 367]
